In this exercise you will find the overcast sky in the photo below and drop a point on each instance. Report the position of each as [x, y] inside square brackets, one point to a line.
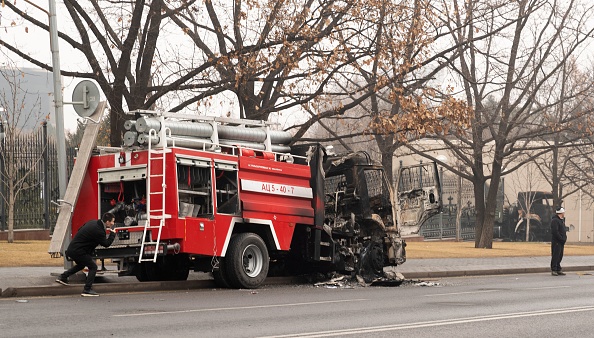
[36, 42]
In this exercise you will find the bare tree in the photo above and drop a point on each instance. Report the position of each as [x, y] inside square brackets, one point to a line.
[382, 99]
[568, 166]
[389, 83]
[274, 56]
[18, 166]
[503, 78]
[186, 54]
[266, 57]
[118, 40]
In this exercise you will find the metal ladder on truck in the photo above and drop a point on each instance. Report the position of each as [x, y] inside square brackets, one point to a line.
[155, 204]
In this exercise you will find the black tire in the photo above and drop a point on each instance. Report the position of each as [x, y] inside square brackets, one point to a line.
[174, 267]
[371, 262]
[169, 268]
[147, 272]
[139, 273]
[247, 261]
[220, 274]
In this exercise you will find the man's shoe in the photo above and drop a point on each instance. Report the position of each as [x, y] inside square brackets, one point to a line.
[89, 293]
[561, 273]
[62, 281]
[554, 273]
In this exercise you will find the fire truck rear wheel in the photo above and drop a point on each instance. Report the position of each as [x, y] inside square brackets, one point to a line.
[169, 268]
[247, 261]
[139, 272]
[147, 272]
[174, 267]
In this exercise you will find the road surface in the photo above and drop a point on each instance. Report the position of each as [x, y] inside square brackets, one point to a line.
[528, 305]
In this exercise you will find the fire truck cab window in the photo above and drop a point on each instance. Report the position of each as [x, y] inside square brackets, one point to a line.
[226, 188]
[377, 189]
[194, 188]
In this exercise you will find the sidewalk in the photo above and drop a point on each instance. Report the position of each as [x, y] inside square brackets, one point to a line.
[456, 267]
[39, 281]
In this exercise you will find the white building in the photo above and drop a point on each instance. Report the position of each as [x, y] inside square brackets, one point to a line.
[29, 92]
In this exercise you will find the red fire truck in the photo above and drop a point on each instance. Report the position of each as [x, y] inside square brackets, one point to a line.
[238, 199]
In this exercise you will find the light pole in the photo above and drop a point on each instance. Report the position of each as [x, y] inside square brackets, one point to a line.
[580, 201]
[440, 197]
[58, 106]
[58, 101]
[2, 176]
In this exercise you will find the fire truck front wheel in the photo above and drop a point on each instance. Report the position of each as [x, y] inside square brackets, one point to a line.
[220, 274]
[246, 261]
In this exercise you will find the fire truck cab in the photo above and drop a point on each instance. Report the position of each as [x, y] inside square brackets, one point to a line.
[232, 197]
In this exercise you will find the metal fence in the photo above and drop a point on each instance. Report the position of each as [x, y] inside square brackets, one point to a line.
[37, 175]
[443, 225]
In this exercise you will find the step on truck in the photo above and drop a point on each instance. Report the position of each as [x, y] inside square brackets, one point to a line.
[238, 199]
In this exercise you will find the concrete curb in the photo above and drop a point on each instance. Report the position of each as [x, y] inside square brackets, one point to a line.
[73, 289]
[487, 272]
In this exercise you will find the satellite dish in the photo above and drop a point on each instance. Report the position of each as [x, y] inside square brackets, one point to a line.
[85, 98]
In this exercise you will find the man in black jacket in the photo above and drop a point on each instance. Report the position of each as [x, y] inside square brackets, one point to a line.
[88, 237]
[558, 239]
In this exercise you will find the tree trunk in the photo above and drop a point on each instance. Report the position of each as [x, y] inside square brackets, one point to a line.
[479, 202]
[556, 181]
[485, 240]
[479, 192]
[485, 237]
[528, 228]
[11, 197]
[386, 146]
[116, 122]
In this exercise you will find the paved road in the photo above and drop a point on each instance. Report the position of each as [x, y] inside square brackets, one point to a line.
[32, 281]
[526, 305]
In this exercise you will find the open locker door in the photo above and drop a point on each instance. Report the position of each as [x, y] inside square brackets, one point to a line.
[418, 192]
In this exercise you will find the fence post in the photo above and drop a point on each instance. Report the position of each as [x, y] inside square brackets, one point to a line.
[459, 206]
[421, 174]
[2, 176]
[46, 196]
[440, 198]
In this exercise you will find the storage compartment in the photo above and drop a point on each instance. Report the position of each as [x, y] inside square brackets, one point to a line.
[122, 191]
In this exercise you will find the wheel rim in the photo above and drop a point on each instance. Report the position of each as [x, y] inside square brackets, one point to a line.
[252, 260]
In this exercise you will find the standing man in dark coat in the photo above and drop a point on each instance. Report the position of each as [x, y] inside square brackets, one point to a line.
[88, 237]
[558, 239]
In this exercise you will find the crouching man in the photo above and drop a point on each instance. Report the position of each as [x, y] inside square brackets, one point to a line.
[88, 237]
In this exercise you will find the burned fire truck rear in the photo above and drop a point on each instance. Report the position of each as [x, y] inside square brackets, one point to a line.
[232, 197]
